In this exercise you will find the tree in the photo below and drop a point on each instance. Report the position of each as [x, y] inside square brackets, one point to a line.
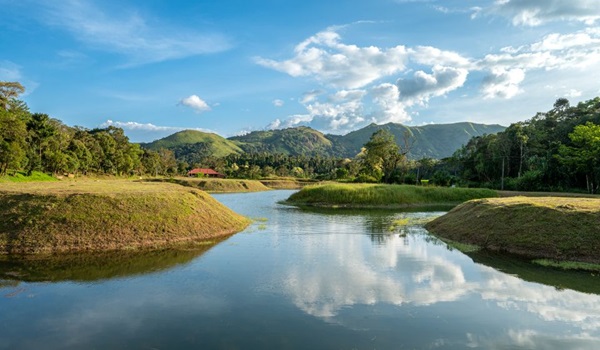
[12, 141]
[9, 90]
[382, 154]
[584, 155]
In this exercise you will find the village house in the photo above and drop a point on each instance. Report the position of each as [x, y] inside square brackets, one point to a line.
[205, 173]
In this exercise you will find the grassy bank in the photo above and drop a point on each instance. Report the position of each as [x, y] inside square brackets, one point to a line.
[559, 229]
[287, 183]
[383, 196]
[48, 217]
[217, 185]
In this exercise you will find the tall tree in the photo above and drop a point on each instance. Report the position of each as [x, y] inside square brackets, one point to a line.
[9, 90]
[383, 153]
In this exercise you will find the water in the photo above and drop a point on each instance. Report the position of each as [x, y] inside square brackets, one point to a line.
[297, 280]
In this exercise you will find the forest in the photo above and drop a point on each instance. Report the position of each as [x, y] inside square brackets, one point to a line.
[557, 150]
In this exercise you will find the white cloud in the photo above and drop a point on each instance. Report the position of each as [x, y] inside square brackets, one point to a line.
[431, 56]
[278, 103]
[127, 33]
[340, 111]
[195, 103]
[325, 58]
[502, 83]
[310, 96]
[386, 97]
[573, 93]
[538, 12]
[134, 126]
[424, 86]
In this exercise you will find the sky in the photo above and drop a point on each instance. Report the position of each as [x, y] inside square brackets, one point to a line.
[156, 67]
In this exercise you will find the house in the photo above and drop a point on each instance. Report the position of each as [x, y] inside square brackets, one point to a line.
[205, 173]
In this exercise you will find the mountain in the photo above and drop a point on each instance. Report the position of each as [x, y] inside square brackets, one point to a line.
[189, 144]
[432, 141]
[293, 141]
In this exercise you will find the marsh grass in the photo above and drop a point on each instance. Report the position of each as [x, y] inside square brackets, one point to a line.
[383, 196]
[560, 229]
[108, 215]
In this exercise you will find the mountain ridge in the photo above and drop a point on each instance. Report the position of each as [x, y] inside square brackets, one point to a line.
[431, 141]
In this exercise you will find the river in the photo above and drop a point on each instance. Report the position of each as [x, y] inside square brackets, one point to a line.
[298, 279]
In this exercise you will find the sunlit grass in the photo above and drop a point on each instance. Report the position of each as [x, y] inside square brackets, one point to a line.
[560, 229]
[38, 217]
[374, 195]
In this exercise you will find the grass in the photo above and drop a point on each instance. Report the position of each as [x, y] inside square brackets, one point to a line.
[568, 265]
[560, 229]
[48, 217]
[22, 177]
[216, 185]
[382, 196]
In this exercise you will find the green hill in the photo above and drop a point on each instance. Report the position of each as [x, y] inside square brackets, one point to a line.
[190, 144]
[293, 141]
[433, 141]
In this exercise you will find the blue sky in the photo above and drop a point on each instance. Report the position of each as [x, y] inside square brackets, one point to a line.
[156, 67]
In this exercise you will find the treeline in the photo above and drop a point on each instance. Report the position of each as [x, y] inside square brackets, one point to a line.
[35, 142]
[557, 150]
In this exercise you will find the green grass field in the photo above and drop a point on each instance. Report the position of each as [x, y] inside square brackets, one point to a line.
[383, 196]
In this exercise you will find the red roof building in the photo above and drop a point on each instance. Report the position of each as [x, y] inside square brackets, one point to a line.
[205, 172]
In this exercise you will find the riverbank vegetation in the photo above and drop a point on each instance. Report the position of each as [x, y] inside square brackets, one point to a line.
[553, 228]
[383, 196]
[49, 217]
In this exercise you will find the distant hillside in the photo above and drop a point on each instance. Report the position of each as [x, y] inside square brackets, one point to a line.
[433, 141]
[293, 141]
[192, 145]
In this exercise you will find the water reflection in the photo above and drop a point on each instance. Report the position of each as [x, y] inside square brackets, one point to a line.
[97, 266]
[420, 274]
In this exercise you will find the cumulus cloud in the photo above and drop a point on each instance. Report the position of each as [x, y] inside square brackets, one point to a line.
[195, 103]
[424, 86]
[339, 111]
[386, 97]
[502, 83]
[537, 12]
[278, 103]
[325, 58]
[126, 32]
[361, 84]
